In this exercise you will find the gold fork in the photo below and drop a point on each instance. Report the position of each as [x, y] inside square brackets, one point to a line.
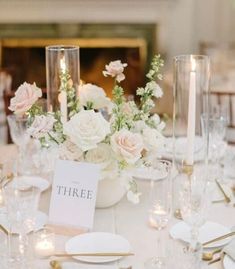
[226, 197]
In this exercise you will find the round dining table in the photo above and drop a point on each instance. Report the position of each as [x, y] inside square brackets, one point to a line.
[130, 221]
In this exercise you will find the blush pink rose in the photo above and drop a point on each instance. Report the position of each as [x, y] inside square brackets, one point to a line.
[115, 69]
[41, 126]
[25, 96]
[127, 145]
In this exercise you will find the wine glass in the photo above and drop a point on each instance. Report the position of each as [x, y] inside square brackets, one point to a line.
[216, 123]
[21, 207]
[193, 207]
[159, 207]
[18, 127]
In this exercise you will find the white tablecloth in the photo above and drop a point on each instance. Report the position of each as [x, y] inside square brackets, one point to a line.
[129, 221]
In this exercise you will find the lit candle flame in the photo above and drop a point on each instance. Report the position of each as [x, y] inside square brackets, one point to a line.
[62, 65]
[193, 64]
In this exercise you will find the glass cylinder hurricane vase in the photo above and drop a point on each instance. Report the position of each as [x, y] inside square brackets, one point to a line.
[63, 78]
[191, 99]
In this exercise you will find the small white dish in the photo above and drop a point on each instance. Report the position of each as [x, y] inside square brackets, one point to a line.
[145, 173]
[40, 221]
[97, 242]
[23, 182]
[207, 232]
[228, 262]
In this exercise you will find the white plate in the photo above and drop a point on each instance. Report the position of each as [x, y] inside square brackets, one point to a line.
[31, 181]
[41, 220]
[97, 242]
[228, 262]
[180, 145]
[208, 231]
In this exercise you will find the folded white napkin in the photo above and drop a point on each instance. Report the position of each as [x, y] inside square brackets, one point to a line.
[230, 249]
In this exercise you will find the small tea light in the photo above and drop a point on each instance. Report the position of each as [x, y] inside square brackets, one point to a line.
[44, 243]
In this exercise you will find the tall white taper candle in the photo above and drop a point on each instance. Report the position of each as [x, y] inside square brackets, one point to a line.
[63, 95]
[191, 114]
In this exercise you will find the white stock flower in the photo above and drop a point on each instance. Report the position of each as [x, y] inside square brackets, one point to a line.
[115, 69]
[133, 197]
[155, 88]
[25, 96]
[70, 151]
[139, 125]
[41, 126]
[156, 119]
[127, 145]
[160, 125]
[86, 129]
[92, 94]
[153, 139]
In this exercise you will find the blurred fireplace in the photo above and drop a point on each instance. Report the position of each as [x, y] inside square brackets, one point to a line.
[24, 58]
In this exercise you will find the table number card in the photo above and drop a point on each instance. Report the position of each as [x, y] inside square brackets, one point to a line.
[73, 194]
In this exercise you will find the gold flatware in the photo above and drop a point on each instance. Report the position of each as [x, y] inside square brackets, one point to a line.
[208, 256]
[7, 179]
[4, 229]
[226, 197]
[177, 214]
[218, 201]
[95, 254]
[218, 238]
[233, 190]
[55, 264]
[211, 262]
[217, 259]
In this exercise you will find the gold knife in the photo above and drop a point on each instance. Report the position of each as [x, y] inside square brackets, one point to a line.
[218, 238]
[227, 199]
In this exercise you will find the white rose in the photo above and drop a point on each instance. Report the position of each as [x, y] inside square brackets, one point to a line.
[70, 151]
[86, 129]
[41, 126]
[94, 96]
[25, 96]
[102, 155]
[153, 139]
[127, 145]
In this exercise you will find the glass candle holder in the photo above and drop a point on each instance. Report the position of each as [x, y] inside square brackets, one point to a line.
[44, 243]
[63, 77]
[191, 99]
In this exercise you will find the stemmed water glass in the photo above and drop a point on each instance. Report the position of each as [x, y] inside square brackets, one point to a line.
[193, 206]
[159, 207]
[216, 124]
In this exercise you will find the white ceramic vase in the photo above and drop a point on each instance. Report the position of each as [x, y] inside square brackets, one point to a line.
[110, 192]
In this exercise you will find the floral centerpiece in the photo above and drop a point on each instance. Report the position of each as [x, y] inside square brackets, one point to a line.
[118, 134]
